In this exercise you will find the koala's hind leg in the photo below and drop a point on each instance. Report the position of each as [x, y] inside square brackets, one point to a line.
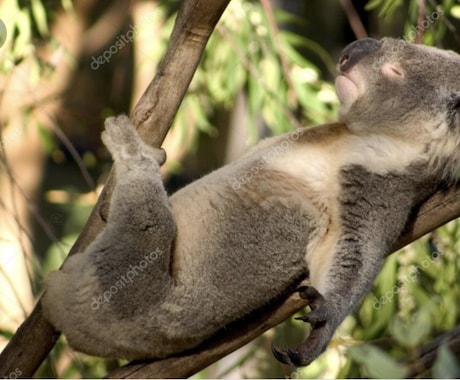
[102, 298]
[140, 220]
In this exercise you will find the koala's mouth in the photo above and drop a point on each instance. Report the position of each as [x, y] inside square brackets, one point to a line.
[347, 90]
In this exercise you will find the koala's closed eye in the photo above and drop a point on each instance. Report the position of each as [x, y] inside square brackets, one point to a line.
[454, 102]
[453, 106]
[393, 70]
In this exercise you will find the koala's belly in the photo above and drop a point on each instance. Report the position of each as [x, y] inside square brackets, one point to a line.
[237, 250]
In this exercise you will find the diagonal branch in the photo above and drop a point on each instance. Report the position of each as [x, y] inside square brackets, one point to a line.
[153, 116]
[234, 337]
[428, 353]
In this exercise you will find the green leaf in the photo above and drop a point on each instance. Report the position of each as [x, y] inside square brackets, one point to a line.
[23, 38]
[446, 365]
[47, 139]
[39, 14]
[411, 334]
[455, 11]
[373, 4]
[387, 7]
[377, 363]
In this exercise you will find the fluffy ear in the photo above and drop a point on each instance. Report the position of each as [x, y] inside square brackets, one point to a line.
[453, 109]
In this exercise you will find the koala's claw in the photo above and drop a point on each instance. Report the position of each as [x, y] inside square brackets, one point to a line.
[319, 314]
[306, 352]
[319, 336]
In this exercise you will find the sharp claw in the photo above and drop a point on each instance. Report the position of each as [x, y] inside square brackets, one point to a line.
[318, 315]
[315, 319]
[281, 355]
[310, 294]
[291, 357]
[303, 318]
[319, 336]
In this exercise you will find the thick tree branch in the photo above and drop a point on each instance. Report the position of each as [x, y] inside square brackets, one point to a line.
[153, 116]
[232, 338]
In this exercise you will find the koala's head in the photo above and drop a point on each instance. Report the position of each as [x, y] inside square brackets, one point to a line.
[402, 89]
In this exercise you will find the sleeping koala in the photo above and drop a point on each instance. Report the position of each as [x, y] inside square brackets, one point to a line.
[327, 202]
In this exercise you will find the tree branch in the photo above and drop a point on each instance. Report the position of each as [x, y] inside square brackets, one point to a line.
[353, 19]
[429, 352]
[153, 116]
[234, 336]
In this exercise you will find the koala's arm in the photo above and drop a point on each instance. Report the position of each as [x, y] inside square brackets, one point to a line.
[373, 211]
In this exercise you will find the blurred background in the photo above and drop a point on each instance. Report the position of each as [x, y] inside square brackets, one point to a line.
[268, 68]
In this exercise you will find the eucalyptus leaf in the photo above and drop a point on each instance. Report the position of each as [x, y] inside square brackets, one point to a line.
[411, 334]
[39, 15]
[377, 363]
[446, 365]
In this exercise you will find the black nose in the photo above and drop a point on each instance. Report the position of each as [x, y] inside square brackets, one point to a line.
[355, 51]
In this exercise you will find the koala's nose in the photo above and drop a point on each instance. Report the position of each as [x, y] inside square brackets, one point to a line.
[355, 51]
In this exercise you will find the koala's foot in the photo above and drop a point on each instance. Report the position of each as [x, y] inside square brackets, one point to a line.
[320, 334]
[126, 146]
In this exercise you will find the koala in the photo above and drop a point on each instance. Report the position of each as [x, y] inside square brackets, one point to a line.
[327, 203]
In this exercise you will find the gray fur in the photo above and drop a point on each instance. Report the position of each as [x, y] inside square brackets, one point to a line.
[168, 273]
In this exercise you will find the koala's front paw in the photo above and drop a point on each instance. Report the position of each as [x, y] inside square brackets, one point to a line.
[126, 146]
[320, 334]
